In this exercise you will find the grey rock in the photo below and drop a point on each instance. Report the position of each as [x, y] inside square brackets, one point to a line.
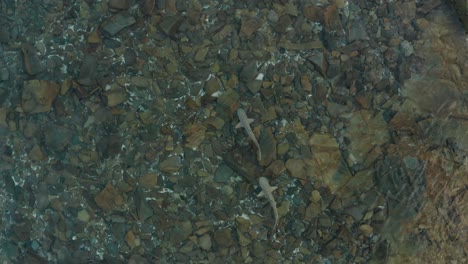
[273, 16]
[4, 74]
[248, 72]
[407, 48]
[254, 86]
[88, 71]
[57, 137]
[357, 31]
[223, 173]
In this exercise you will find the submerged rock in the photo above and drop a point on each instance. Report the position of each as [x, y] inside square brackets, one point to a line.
[116, 23]
[38, 96]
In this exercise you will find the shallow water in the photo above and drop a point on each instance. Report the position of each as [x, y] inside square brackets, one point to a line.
[118, 140]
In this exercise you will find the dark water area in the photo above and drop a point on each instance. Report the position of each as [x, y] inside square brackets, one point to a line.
[203, 131]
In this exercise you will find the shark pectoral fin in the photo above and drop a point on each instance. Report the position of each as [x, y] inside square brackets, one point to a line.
[272, 188]
[250, 120]
[239, 125]
[261, 194]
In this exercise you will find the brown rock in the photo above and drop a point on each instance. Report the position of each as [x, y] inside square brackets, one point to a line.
[109, 199]
[119, 4]
[366, 230]
[314, 13]
[223, 237]
[244, 240]
[66, 85]
[283, 23]
[171, 7]
[306, 83]
[147, 6]
[254, 86]
[297, 168]
[291, 8]
[87, 156]
[94, 37]
[250, 25]
[406, 11]
[38, 96]
[327, 162]
[205, 242]
[213, 85]
[83, 216]
[32, 63]
[405, 120]
[200, 54]
[137, 259]
[4, 111]
[117, 22]
[316, 44]
[269, 114]
[37, 154]
[283, 147]
[332, 18]
[115, 96]
[171, 164]
[194, 135]
[312, 210]
[367, 132]
[149, 180]
[131, 239]
[441, 99]
[215, 122]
